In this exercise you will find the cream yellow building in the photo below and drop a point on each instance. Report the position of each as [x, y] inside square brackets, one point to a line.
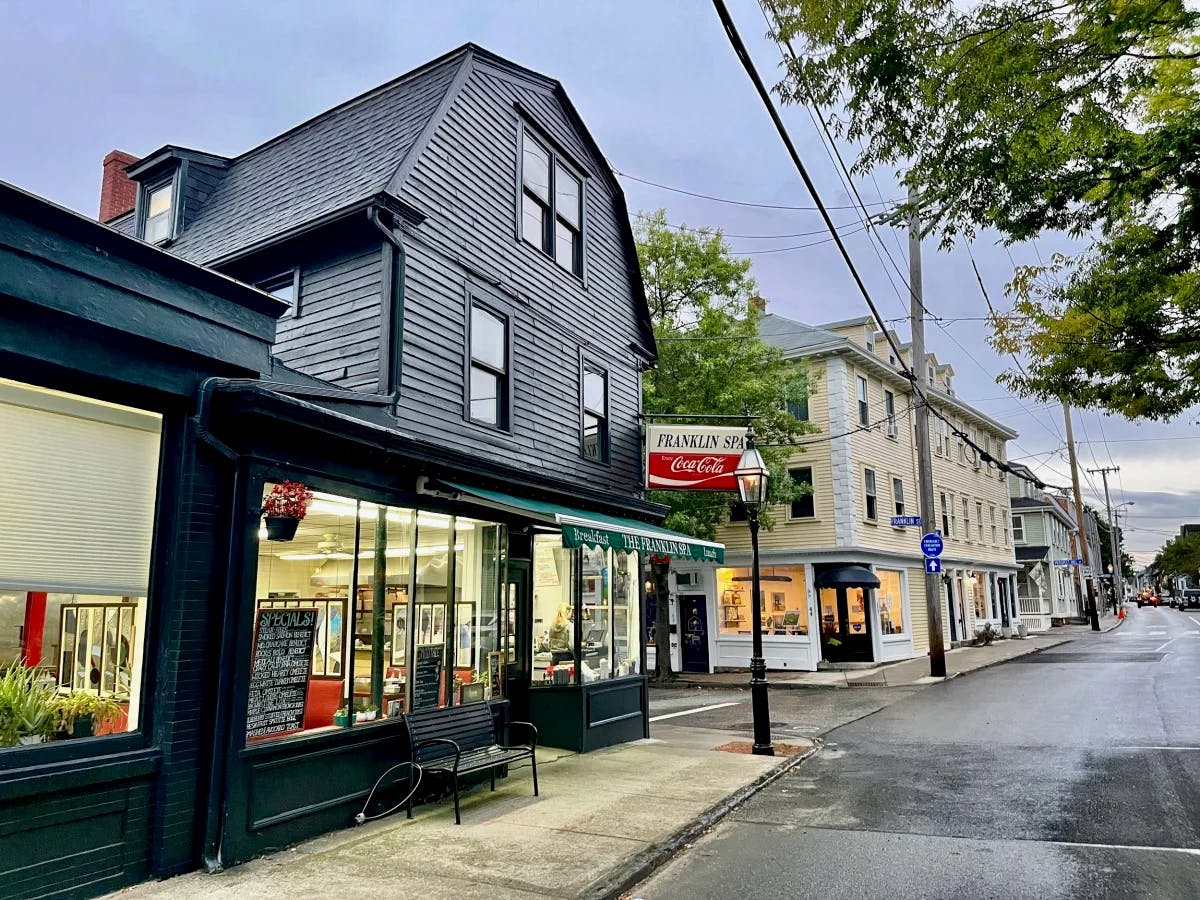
[840, 583]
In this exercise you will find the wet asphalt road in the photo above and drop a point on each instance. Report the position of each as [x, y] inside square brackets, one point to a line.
[1074, 772]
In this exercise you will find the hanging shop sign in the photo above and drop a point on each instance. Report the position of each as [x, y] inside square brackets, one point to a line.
[693, 457]
[283, 643]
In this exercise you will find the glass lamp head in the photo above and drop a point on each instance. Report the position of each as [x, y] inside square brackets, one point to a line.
[752, 477]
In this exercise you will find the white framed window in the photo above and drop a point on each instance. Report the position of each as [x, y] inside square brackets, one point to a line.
[1018, 529]
[966, 514]
[489, 367]
[869, 493]
[160, 209]
[979, 519]
[898, 495]
[889, 405]
[864, 413]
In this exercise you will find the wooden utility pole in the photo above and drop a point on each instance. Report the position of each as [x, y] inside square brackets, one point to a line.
[1115, 576]
[1080, 518]
[933, 581]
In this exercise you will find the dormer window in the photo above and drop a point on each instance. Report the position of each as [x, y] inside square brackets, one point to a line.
[160, 218]
[551, 205]
[869, 333]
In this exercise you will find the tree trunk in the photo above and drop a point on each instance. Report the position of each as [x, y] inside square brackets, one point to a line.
[662, 620]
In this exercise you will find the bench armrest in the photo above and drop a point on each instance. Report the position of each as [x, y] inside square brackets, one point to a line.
[431, 741]
[533, 733]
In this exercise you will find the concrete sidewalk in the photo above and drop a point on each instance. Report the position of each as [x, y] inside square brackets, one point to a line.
[603, 820]
[910, 671]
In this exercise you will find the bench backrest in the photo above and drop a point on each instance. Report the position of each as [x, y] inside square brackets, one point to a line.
[470, 726]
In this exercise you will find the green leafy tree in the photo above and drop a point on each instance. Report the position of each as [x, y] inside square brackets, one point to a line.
[1032, 115]
[712, 362]
[1179, 556]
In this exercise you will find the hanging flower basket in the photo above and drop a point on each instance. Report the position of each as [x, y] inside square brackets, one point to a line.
[283, 509]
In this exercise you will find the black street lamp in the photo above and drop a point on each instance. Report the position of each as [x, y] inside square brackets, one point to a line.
[752, 482]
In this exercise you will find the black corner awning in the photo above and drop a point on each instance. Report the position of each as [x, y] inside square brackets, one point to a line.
[847, 576]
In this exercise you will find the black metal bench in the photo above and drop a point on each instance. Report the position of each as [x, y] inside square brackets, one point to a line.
[459, 740]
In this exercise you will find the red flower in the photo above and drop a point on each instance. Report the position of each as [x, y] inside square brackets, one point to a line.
[287, 500]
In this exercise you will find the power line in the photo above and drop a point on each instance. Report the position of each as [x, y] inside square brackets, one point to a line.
[745, 237]
[667, 187]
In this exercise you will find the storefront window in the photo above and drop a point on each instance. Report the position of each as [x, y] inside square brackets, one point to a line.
[891, 602]
[554, 574]
[78, 487]
[399, 621]
[784, 600]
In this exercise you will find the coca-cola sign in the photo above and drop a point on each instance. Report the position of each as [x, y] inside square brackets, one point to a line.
[693, 457]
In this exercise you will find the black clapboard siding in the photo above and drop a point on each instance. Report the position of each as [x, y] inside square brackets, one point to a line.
[199, 182]
[465, 181]
[336, 336]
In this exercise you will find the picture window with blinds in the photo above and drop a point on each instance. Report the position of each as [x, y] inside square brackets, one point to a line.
[551, 204]
[488, 386]
[78, 490]
[595, 413]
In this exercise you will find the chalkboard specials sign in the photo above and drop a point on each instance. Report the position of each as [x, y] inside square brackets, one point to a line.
[427, 682]
[283, 643]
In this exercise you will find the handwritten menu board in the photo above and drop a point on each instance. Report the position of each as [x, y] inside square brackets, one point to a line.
[427, 682]
[283, 644]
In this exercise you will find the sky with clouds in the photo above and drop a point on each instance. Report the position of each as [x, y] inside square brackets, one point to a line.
[660, 90]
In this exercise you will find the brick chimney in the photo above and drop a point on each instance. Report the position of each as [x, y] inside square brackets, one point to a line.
[117, 193]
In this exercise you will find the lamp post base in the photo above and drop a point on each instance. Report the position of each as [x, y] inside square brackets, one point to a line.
[758, 702]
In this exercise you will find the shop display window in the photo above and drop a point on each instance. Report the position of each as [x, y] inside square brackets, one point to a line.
[403, 607]
[78, 489]
[608, 608]
[784, 600]
[891, 602]
[978, 589]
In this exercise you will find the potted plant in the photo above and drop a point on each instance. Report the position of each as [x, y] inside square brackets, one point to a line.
[26, 707]
[283, 509]
[366, 714]
[79, 713]
[341, 717]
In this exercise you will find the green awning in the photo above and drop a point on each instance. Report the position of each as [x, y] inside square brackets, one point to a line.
[598, 530]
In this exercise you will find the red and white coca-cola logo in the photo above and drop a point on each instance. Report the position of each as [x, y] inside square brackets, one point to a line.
[700, 465]
[692, 471]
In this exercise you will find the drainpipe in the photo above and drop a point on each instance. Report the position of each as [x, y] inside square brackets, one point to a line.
[220, 743]
[392, 318]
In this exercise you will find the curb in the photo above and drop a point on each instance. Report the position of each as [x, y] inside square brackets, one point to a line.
[639, 867]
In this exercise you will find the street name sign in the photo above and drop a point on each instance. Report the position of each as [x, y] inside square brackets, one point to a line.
[903, 521]
[1069, 562]
[933, 565]
[931, 545]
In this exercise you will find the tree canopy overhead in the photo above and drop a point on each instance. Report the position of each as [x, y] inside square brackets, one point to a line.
[1027, 116]
[711, 360]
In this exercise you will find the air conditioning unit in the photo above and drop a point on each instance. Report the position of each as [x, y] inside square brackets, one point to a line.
[891, 429]
[977, 463]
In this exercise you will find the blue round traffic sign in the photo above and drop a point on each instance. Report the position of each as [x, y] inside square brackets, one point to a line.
[931, 545]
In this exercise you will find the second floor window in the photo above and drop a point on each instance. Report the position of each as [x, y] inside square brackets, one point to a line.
[1018, 528]
[945, 518]
[551, 205]
[898, 495]
[979, 519]
[798, 409]
[864, 417]
[159, 213]
[489, 367]
[283, 288]
[802, 507]
[992, 514]
[966, 508]
[889, 406]
[871, 496]
[595, 414]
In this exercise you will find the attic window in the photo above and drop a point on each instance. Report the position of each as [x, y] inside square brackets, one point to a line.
[551, 205]
[159, 213]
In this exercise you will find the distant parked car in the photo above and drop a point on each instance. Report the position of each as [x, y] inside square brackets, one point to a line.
[1147, 598]
[1189, 599]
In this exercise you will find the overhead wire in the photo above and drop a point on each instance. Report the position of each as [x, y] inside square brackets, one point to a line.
[667, 187]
